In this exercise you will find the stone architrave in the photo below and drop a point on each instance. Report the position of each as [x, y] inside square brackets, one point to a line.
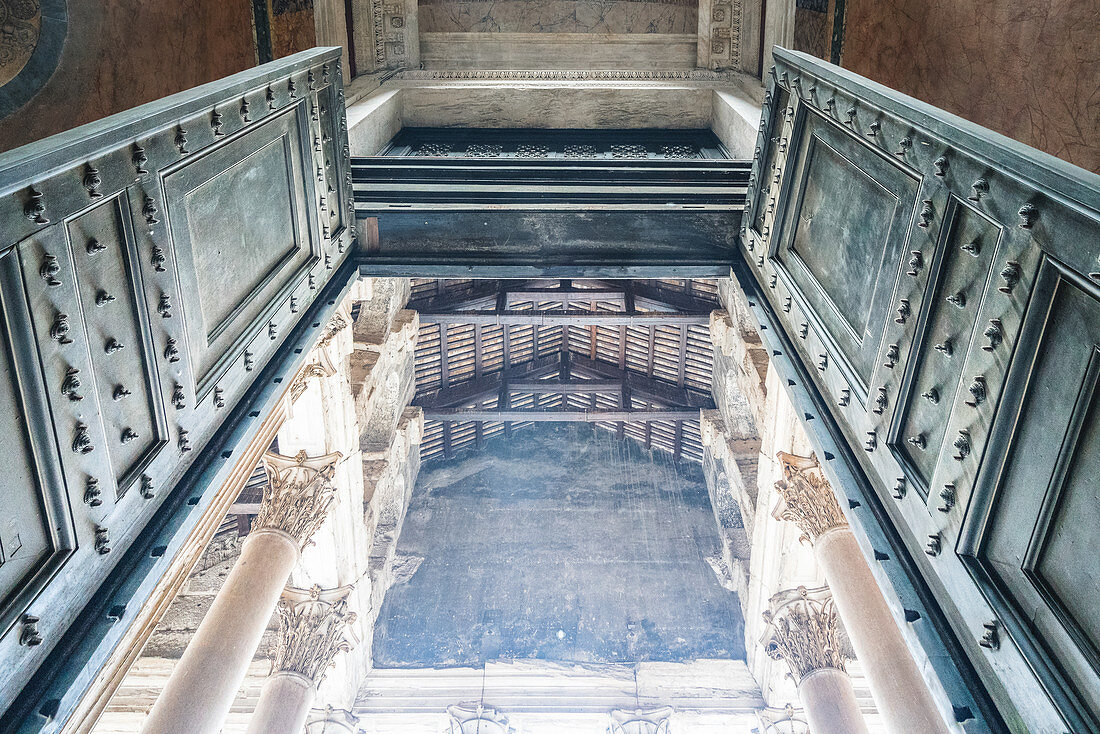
[803, 631]
[900, 692]
[204, 682]
[312, 626]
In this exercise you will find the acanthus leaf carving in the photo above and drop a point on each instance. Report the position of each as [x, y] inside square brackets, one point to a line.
[298, 493]
[807, 497]
[804, 631]
[312, 624]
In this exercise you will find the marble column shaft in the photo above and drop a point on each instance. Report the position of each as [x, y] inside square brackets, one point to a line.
[901, 695]
[830, 702]
[900, 692]
[284, 704]
[203, 684]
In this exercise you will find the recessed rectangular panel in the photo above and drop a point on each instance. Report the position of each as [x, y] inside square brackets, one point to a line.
[841, 245]
[107, 281]
[1040, 543]
[955, 297]
[241, 219]
[841, 239]
[1069, 519]
[25, 540]
[36, 534]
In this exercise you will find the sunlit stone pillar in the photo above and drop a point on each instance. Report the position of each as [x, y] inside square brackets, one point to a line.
[900, 693]
[803, 632]
[204, 682]
[311, 632]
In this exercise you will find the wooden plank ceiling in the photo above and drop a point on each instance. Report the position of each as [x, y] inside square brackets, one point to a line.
[633, 357]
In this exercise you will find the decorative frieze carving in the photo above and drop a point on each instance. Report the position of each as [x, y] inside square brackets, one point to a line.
[704, 75]
[641, 721]
[806, 497]
[803, 631]
[298, 493]
[334, 327]
[786, 720]
[322, 368]
[311, 630]
[477, 718]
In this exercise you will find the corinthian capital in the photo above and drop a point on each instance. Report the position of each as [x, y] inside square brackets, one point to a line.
[298, 493]
[803, 631]
[311, 630]
[807, 498]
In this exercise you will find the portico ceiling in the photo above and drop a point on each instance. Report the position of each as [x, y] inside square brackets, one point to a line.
[633, 357]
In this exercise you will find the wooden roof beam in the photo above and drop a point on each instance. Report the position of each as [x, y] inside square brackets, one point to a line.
[540, 415]
[565, 318]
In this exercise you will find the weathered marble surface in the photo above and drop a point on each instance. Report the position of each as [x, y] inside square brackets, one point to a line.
[1028, 70]
[476, 50]
[292, 31]
[556, 104]
[560, 16]
[564, 543]
[124, 53]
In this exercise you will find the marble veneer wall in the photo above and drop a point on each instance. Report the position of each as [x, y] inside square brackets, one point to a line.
[730, 108]
[558, 34]
[123, 53]
[1028, 70]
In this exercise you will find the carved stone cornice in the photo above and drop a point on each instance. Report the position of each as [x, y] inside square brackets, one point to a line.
[803, 630]
[298, 493]
[311, 630]
[566, 75]
[807, 498]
